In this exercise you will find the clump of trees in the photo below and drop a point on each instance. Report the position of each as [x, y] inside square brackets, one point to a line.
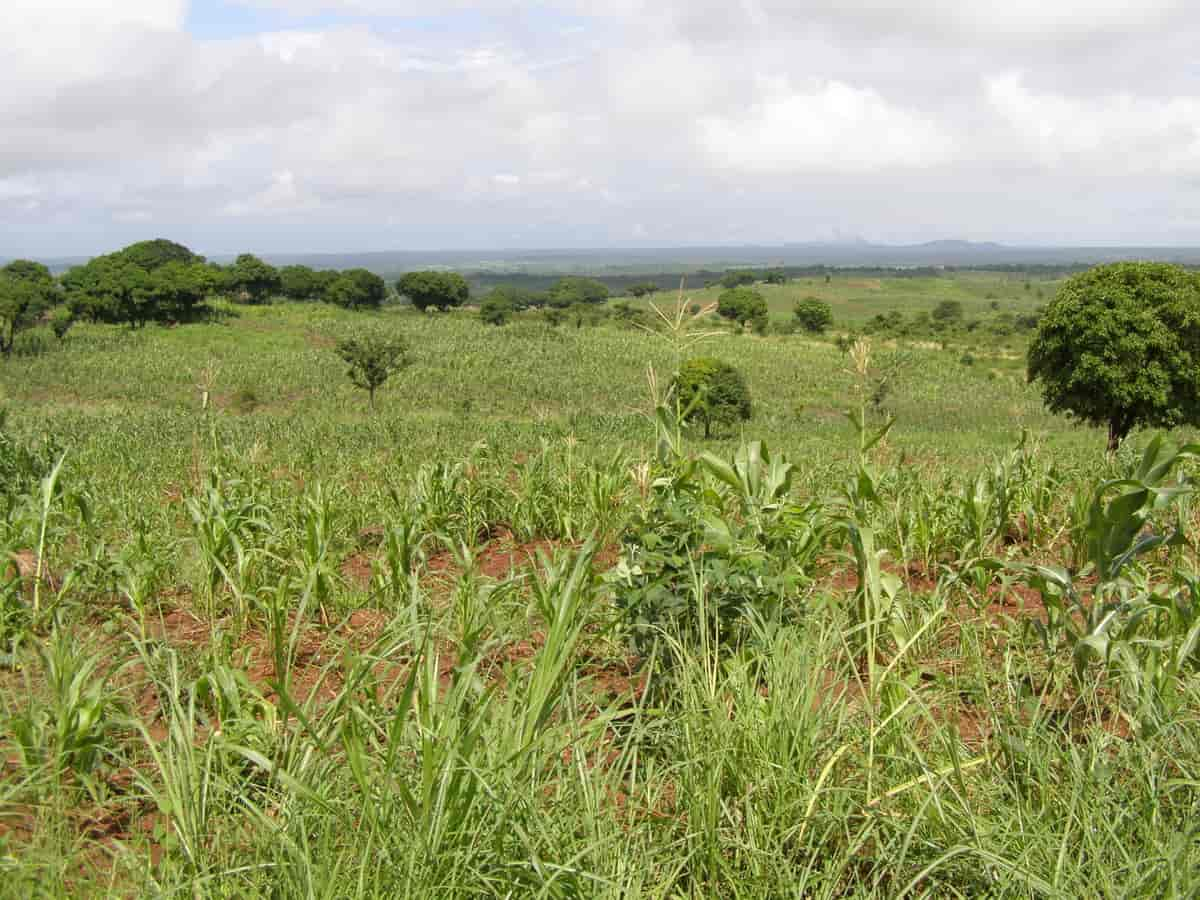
[357, 289]
[27, 290]
[745, 306]
[372, 357]
[642, 289]
[434, 290]
[1119, 346]
[572, 290]
[711, 392]
[735, 278]
[813, 315]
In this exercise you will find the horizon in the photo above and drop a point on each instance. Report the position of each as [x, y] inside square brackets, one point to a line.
[352, 126]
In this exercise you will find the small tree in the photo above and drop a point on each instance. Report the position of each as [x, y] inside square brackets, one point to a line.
[1120, 346]
[776, 276]
[373, 357]
[439, 290]
[947, 311]
[813, 315]
[252, 278]
[742, 305]
[642, 289]
[357, 289]
[496, 309]
[711, 392]
[20, 305]
[571, 290]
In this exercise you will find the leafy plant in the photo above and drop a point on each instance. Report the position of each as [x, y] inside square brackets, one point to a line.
[373, 358]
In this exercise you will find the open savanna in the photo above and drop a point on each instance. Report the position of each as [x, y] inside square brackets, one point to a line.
[515, 634]
[856, 298]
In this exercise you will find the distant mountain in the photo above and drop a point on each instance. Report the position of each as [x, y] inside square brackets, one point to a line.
[850, 252]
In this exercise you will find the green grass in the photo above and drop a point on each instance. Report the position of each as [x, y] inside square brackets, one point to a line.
[285, 647]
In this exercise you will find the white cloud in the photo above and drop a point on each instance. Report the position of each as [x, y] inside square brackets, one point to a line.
[830, 127]
[1118, 134]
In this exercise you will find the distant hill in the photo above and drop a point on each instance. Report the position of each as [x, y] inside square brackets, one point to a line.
[663, 260]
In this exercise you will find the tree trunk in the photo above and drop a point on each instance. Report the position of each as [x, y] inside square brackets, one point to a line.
[1116, 433]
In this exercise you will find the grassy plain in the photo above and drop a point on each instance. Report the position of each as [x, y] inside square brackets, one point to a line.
[277, 646]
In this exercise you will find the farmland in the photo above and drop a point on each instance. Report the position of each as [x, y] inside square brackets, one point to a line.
[520, 632]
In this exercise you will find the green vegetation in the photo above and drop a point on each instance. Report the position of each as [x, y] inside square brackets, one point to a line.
[742, 305]
[711, 392]
[813, 315]
[373, 358]
[436, 290]
[1120, 346]
[524, 631]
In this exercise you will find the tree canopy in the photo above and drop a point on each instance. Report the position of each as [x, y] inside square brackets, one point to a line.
[357, 289]
[573, 289]
[738, 278]
[813, 314]
[712, 392]
[742, 305]
[440, 290]
[372, 357]
[305, 283]
[22, 301]
[1120, 346]
[154, 254]
[252, 279]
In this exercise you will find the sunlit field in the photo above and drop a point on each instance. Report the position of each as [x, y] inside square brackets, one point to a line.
[521, 632]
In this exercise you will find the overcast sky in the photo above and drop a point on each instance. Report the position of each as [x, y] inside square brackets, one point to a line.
[339, 125]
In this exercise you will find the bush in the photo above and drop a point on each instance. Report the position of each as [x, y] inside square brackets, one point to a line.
[711, 392]
[373, 357]
[742, 305]
[496, 310]
[813, 315]
[947, 311]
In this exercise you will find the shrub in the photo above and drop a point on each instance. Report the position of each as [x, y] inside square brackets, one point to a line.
[742, 305]
[496, 310]
[712, 392]
[947, 311]
[813, 315]
[373, 357]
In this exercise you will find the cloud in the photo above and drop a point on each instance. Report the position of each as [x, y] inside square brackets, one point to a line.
[831, 127]
[1113, 135]
[389, 123]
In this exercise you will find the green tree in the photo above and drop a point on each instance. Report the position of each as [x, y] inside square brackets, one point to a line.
[736, 278]
[252, 280]
[642, 289]
[61, 320]
[776, 276]
[439, 290]
[573, 289]
[357, 289]
[497, 308]
[947, 311]
[303, 283]
[711, 392]
[151, 255]
[813, 315]
[21, 304]
[179, 289]
[110, 289]
[1120, 346]
[373, 357]
[742, 305]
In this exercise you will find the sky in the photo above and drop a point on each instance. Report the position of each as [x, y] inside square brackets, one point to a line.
[279, 126]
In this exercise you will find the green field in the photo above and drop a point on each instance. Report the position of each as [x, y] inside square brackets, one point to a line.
[513, 634]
